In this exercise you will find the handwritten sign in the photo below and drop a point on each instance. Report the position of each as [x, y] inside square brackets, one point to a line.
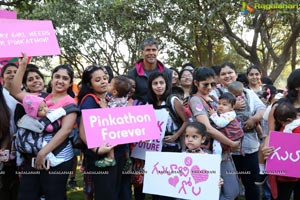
[8, 14]
[36, 38]
[182, 175]
[285, 160]
[140, 148]
[119, 125]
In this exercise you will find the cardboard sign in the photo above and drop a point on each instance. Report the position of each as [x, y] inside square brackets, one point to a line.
[8, 14]
[119, 125]
[140, 148]
[182, 175]
[285, 160]
[36, 38]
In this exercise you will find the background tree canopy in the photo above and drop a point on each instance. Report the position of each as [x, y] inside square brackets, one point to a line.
[202, 32]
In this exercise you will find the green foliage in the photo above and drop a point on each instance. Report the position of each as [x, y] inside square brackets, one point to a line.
[205, 33]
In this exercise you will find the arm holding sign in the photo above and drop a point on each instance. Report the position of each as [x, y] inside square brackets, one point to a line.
[103, 149]
[16, 90]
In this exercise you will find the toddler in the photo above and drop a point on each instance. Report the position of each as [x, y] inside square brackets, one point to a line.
[195, 135]
[119, 88]
[237, 89]
[37, 108]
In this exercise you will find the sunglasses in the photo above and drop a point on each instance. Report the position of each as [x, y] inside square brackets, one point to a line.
[93, 67]
[212, 84]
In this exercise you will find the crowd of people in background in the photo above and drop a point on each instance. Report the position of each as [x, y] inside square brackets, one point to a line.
[217, 111]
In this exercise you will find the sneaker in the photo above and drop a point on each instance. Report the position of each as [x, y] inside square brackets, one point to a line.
[106, 162]
[43, 197]
[260, 179]
[73, 184]
[128, 165]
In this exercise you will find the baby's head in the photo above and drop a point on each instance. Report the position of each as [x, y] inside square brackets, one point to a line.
[195, 135]
[285, 113]
[120, 86]
[178, 91]
[236, 88]
[226, 102]
[35, 106]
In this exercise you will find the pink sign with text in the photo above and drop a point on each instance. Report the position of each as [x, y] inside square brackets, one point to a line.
[35, 37]
[285, 160]
[119, 125]
[8, 14]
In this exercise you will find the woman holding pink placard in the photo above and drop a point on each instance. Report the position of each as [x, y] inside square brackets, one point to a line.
[106, 180]
[283, 187]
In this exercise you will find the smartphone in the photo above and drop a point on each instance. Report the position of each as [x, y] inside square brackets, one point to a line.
[5, 156]
[47, 163]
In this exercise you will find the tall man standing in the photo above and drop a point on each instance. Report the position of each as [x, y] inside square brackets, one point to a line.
[145, 67]
[141, 73]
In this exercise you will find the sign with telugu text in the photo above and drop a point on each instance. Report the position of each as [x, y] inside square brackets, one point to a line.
[34, 37]
[285, 160]
[182, 175]
[8, 14]
[140, 148]
[119, 125]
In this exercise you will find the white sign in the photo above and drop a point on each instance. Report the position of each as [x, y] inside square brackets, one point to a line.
[182, 175]
[141, 147]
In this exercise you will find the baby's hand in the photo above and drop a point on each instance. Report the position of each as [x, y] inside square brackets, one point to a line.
[211, 111]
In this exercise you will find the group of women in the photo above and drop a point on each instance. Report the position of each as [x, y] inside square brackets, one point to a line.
[199, 87]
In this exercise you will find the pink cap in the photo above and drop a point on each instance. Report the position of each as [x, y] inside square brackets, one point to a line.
[31, 104]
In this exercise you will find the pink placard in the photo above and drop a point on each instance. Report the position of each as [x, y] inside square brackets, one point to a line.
[285, 160]
[8, 14]
[119, 125]
[36, 38]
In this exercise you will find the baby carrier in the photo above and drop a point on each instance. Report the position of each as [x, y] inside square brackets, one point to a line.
[30, 131]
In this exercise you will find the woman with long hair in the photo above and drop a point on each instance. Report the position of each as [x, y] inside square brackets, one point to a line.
[250, 102]
[283, 187]
[50, 182]
[106, 181]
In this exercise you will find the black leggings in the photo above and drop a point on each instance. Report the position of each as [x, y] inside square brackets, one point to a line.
[51, 183]
[107, 181]
[9, 181]
[285, 190]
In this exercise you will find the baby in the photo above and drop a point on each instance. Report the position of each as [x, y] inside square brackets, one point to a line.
[237, 89]
[119, 88]
[37, 108]
[225, 118]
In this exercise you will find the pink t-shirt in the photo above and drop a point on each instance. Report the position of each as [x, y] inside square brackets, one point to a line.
[66, 100]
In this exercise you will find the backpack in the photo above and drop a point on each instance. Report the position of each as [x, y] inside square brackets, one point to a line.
[30, 132]
[175, 117]
[233, 131]
[76, 141]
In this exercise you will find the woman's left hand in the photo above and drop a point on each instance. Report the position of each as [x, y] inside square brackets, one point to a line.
[249, 124]
[170, 138]
[40, 161]
[221, 182]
